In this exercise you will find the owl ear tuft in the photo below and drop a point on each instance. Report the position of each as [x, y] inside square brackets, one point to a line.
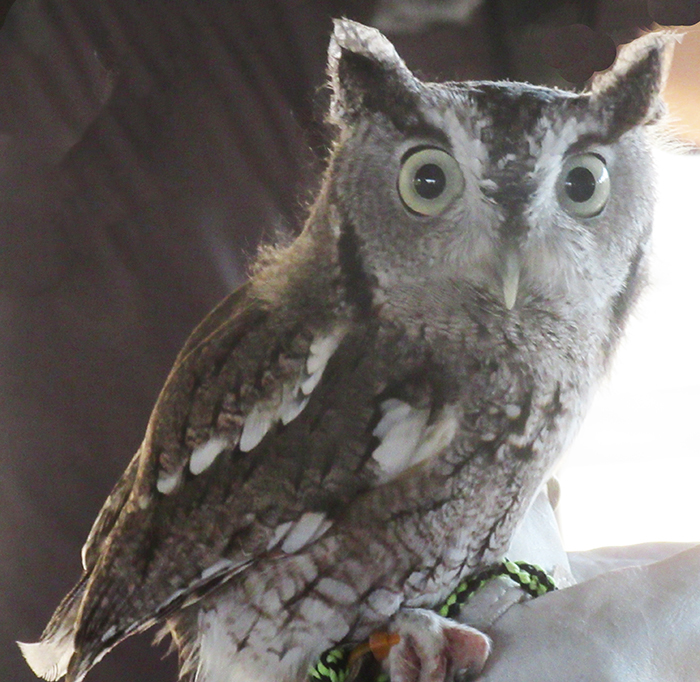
[366, 75]
[629, 94]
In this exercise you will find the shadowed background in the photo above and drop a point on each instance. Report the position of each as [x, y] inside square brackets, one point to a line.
[145, 149]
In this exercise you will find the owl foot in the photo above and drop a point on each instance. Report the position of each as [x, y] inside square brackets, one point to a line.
[434, 649]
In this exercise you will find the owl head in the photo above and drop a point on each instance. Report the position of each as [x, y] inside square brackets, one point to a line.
[527, 196]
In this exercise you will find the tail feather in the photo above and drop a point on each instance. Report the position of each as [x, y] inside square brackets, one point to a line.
[50, 656]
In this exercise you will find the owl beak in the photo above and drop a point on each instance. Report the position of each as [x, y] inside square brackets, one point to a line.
[510, 277]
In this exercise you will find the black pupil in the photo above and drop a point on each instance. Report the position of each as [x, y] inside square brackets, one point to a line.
[429, 181]
[579, 184]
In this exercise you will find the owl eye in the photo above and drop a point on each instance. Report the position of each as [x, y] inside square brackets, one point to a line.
[429, 180]
[584, 185]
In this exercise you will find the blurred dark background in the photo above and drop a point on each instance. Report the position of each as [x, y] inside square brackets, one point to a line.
[146, 147]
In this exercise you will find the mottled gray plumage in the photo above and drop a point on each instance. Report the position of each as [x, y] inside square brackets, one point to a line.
[366, 420]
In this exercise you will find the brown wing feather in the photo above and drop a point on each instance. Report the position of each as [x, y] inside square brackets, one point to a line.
[165, 550]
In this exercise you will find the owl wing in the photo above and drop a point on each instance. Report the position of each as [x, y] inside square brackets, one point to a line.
[111, 509]
[261, 431]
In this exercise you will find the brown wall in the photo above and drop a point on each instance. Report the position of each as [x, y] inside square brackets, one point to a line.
[683, 89]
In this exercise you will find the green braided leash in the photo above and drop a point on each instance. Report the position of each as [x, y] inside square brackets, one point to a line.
[530, 578]
[333, 664]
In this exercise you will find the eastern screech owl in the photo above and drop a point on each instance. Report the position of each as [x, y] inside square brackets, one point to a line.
[365, 421]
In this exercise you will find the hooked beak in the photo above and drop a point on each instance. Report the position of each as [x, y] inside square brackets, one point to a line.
[509, 270]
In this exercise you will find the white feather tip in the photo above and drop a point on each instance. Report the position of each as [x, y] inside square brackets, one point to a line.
[48, 659]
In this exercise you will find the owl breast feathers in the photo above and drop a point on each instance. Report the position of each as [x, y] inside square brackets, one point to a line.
[365, 421]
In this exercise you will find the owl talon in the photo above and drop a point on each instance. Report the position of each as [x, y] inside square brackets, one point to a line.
[381, 644]
[434, 649]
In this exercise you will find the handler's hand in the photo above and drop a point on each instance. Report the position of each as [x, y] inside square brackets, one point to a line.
[637, 624]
